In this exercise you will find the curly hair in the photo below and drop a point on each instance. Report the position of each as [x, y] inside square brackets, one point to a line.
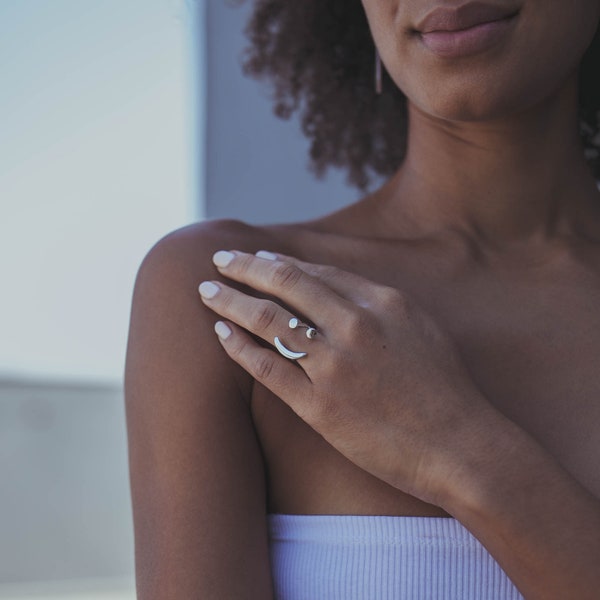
[319, 57]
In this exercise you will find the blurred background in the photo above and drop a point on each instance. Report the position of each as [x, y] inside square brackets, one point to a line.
[120, 120]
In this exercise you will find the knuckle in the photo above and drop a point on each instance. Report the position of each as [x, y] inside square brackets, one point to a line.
[263, 367]
[392, 299]
[242, 263]
[263, 316]
[235, 349]
[325, 272]
[357, 323]
[285, 275]
[225, 300]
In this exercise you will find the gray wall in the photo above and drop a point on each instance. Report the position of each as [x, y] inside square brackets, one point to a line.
[65, 505]
[256, 163]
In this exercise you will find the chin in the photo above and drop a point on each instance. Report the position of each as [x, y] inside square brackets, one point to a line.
[483, 98]
[466, 106]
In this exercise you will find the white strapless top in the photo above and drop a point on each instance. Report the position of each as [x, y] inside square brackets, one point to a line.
[350, 557]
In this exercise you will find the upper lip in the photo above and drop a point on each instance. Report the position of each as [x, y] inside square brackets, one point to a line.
[468, 15]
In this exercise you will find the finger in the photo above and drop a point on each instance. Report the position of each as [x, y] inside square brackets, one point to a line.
[351, 286]
[287, 282]
[264, 318]
[276, 373]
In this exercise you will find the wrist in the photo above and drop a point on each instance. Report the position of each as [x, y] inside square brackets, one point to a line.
[484, 466]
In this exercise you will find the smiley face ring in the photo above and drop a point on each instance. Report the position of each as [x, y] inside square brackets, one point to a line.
[294, 323]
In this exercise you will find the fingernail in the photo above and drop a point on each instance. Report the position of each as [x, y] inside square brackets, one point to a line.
[208, 289]
[222, 258]
[267, 255]
[222, 330]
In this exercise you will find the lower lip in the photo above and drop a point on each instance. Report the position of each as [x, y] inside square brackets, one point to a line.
[454, 44]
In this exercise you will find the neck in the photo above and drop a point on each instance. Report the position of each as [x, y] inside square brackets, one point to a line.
[522, 179]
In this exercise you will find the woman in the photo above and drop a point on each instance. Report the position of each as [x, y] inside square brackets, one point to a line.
[402, 398]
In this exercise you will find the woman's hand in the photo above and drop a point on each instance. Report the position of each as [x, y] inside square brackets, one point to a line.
[381, 382]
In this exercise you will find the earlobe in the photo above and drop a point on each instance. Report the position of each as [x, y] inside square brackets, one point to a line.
[377, 72]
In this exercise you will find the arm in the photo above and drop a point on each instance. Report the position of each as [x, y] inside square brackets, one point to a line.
[537, 521]
[426, 429]
[196, 472]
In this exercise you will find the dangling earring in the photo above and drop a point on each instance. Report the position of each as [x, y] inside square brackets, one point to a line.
[377, 72]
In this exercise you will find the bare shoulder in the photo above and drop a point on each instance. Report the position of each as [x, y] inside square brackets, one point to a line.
[166, 291]
[166, 308]
[193, 245]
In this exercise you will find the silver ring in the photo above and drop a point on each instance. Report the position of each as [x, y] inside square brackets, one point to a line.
[294, 322]
[286, 351]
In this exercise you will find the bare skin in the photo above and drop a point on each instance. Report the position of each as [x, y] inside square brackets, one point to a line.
[493, 227]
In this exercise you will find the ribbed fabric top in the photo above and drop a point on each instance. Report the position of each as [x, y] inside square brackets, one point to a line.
[355, 557]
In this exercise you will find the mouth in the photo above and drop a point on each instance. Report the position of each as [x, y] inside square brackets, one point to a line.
[468, 29]
[463, 17]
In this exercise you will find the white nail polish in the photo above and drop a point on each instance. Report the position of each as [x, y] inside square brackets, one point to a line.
[222, 258]
[266, 255]
[208, 289]
[222, 330]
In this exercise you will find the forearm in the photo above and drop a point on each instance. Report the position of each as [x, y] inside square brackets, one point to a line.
[537, 521]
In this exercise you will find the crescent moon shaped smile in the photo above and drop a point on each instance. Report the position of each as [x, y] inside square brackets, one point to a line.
[286, 351]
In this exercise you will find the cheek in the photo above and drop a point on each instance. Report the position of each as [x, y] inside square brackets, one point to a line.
[542, 51]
